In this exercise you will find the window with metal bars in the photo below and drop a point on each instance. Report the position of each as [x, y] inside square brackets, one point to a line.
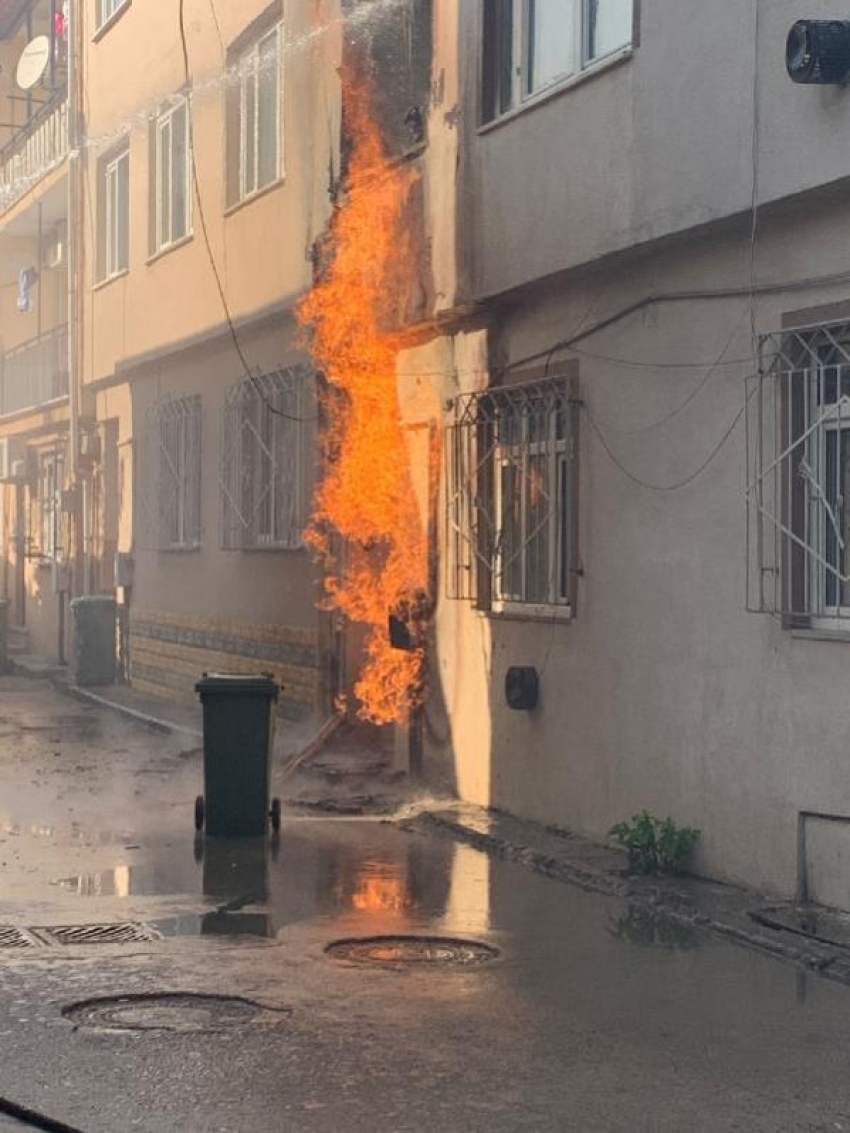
[798, 493]
[263, 480]
[169, 475]
[511, 498]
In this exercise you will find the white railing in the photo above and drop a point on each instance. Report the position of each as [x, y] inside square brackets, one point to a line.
[37, 148]
[34, 373]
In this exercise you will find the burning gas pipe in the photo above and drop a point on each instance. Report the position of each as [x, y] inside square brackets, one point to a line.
[365, 503]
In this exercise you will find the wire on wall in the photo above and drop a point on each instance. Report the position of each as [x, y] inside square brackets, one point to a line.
[249, 372]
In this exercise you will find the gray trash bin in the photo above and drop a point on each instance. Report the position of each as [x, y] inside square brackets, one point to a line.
[238, 738]
[95, 641]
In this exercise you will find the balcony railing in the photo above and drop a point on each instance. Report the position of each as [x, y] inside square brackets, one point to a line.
[34, 373]
[37, 148]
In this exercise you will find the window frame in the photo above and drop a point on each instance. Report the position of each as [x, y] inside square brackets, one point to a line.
[179, 436]
[104, 18]
[247, 68]
[475, 507]
[180, 104]
[522, 90]
[264, 475]
[109, 188]
[51, 483]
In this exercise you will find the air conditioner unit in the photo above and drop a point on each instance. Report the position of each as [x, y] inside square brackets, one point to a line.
[54, 247]
[13, 465]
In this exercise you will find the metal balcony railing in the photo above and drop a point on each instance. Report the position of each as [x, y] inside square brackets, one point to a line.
[38, 147]
[34, 373]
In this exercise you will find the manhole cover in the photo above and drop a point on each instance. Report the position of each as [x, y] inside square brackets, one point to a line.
[183, 1012]
[403, 950]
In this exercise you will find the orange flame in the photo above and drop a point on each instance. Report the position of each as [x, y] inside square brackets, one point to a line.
[366, 496]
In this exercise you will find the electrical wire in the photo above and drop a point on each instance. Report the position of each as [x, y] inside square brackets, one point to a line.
[712, 369]
[33, 1118]
[705, 294]
[689, 479]
[754, 199]
[252, 377]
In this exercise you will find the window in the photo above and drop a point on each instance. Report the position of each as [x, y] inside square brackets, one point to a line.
[106, 9]
[254, 118]
[799, 491]
[172, 173]
[114, 214]
[511, 497]
[178, 429]
[263, 481]
[530, 45]
[51, 479]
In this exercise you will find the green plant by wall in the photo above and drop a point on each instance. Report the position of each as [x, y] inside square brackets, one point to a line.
[655, 845]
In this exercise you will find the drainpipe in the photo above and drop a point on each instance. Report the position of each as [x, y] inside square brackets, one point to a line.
[77, 540]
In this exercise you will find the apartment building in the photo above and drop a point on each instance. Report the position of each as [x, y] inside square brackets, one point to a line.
[641, 333]
[208, 144]
[34, 358]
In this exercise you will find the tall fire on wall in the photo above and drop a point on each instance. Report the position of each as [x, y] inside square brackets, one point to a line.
[366, 527]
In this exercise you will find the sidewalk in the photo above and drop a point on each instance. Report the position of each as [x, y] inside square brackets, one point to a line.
[662, 910]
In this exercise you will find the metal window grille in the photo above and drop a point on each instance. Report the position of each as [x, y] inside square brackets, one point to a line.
[263, 480]
[511, 492]
[798, 491]
[106, 9]
[169, 475]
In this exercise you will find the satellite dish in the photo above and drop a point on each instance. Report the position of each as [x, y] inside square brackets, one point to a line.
[33, 62]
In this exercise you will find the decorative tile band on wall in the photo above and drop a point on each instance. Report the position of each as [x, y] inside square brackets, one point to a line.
[168, 654]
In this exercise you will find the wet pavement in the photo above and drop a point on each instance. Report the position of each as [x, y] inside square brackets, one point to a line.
[529, 1005]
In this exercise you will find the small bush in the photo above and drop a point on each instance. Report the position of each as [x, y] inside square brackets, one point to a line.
[655, 845]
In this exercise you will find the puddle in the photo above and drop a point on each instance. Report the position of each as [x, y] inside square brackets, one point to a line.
[647, 929]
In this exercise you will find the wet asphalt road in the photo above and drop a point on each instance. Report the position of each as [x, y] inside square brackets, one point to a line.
[591, 1018]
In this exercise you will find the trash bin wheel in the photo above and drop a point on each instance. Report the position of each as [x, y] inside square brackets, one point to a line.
[199, 812]
[275, 815]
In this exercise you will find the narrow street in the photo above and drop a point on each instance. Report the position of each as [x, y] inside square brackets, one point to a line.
[568, 1024]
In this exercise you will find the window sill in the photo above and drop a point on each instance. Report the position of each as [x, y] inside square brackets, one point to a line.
[162, 252]
[837, 635]
[193, 550]
[249, 200]
[113, 19]
[112, 279]
[268, 549]
[519, 612]
[600, 67]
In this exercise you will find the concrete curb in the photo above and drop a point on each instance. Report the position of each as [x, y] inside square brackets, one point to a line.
[830, 962]
[145, 718]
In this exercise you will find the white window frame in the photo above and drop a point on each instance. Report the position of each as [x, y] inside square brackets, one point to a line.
[248, 69]
[821, 514]
[179, 427]
[108, 9]
[555, 450]
[52, 478]
[164, 237]
[522, 90]
[113, 214]
[492, 544]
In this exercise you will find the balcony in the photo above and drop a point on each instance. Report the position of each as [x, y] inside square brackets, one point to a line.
[34, 373]
[38, 147]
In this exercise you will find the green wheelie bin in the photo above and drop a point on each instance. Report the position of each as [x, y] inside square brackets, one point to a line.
[239, 713]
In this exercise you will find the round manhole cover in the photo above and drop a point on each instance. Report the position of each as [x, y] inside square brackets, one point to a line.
[398, 951]
[183, 1012]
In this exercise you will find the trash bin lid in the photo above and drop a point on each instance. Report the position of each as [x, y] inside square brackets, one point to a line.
[237, 684]
[92, 600]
